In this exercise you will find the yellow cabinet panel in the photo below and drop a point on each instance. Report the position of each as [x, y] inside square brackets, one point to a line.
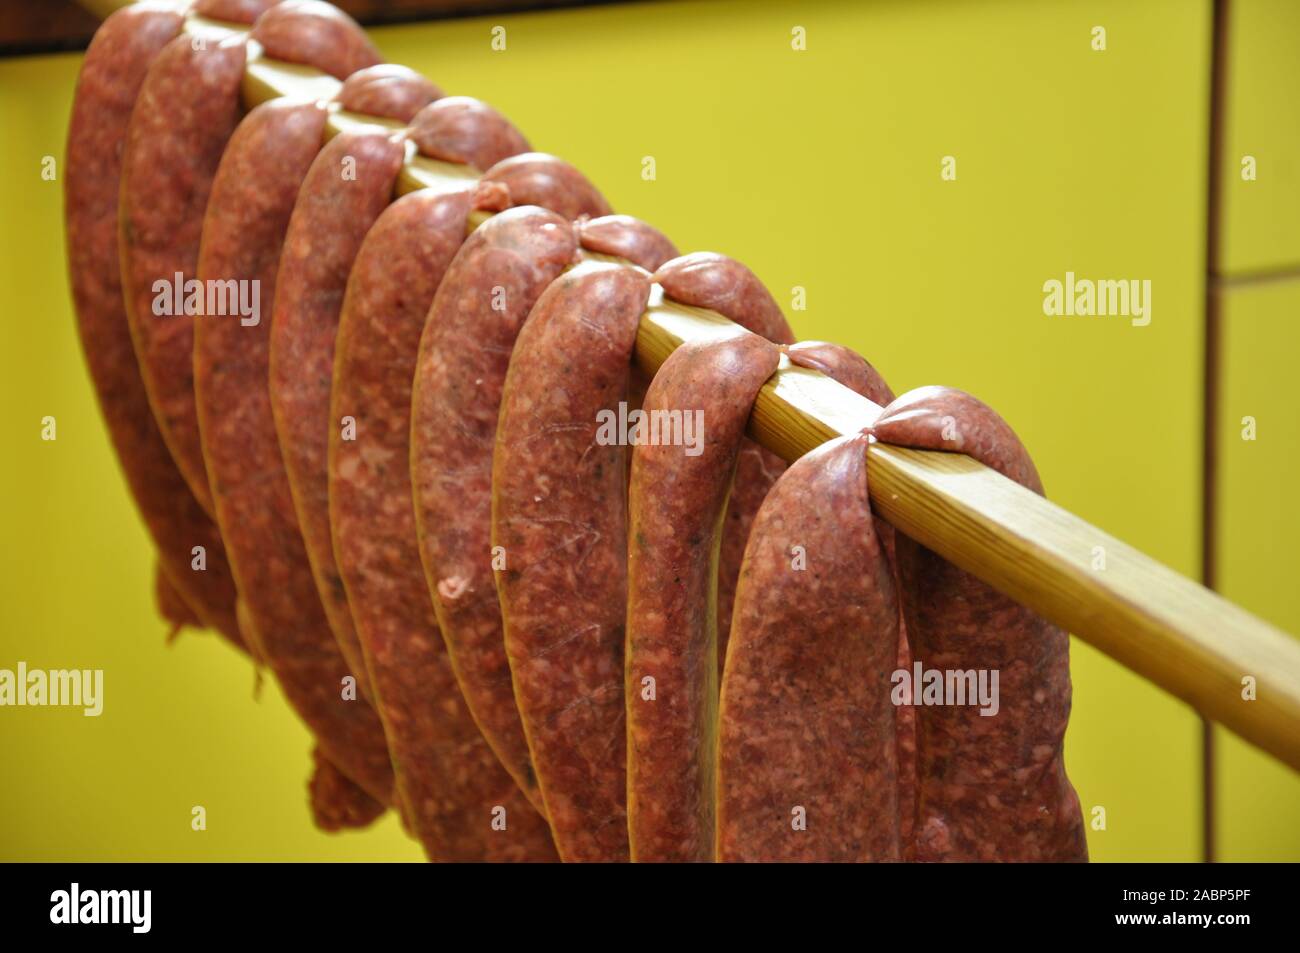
[1259, 523]
[1261, 217]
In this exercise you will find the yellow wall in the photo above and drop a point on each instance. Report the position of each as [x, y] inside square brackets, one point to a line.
[820, 169]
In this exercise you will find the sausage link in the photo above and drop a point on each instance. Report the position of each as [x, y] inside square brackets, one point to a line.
[336, 803]
[461, 129]
[841, 364]
[171, 604]
[988, 787]
[233, 11]
[559, 506]
[253, 195]
[315, 33]
[388, 91]
[807, 761]
[535, 178]
[625, 237]
[853, 371]
[111, 77]
[708, 280]
[464, 352]
[244, 228]
[676, 504]
[188, 108]
[348, 185]
[447, 775]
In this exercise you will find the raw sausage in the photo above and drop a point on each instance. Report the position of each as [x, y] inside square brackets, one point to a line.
[676, 504]
[233, 11]
[111, 76]
[348, 185]
[188, 108]
[843, 365]
[990, 786]
[253, 195]
[336, 803]
[387, 90]
[625, 237]
[708, 280]
[172, 606]
[461, 129]
[559, 513]
[559, 488]
[463, 356]
[853, 371]
[448, 777]
[316, 34]
[807, 767]
[535, 178]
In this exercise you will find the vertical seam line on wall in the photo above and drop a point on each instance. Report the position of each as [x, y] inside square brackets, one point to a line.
[1212, 381]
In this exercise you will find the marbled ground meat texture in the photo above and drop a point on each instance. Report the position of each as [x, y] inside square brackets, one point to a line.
[187, 110]
[462, 129]
[807, 761]
[448, 777]
[336, 802]
[625, 237]
[316, 34]
[252, 197]
[677, 501]
[247, 218]
[387, 89]
[402, 448]
[233, 11]
[349, 184]
[463, 357]
[559, 517]
[535, 178]
[461, 366]
[346, 189]
[988, 787]
[171, 605]
[244, 229]
[708, 280]
[111, 77]
[854, 372]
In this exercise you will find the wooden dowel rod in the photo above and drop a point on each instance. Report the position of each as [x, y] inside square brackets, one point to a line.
[1167, 628]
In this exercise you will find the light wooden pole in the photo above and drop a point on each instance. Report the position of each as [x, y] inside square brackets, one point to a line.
[1167, 628]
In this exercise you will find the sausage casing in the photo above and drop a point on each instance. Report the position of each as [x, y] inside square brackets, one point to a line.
[111, 77]
[559, 519]
[853, 371]
[991, 782]
[535, 178]
[387, 90]
[677, 500]
[461, 129]
[188, 108]
[348, 185]
[447, 775]
[708, 280]
[252, 198]
[807, 761]
[464, 353]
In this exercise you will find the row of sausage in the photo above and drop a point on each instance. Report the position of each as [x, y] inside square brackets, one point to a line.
[532, 642]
